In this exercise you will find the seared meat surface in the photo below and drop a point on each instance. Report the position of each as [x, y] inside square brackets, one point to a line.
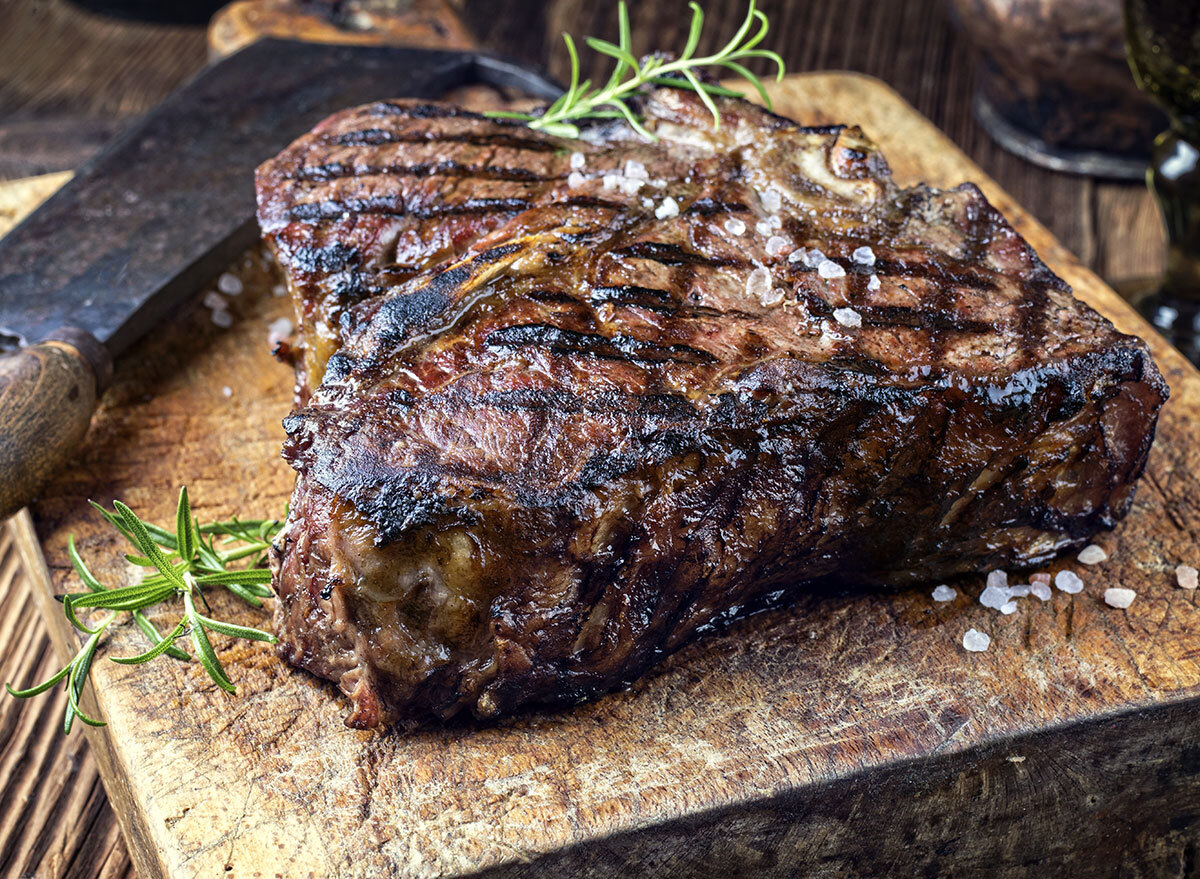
[565, 403]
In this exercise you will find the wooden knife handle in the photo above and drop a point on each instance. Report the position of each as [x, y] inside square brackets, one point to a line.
[48, 393]
[428, 23]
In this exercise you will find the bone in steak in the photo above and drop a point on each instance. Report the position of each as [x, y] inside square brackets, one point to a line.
[564, 404]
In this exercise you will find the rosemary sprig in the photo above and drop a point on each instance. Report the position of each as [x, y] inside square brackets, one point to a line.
[184, 562]
[610, 101]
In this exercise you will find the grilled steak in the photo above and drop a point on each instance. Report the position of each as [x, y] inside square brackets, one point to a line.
[564, 404]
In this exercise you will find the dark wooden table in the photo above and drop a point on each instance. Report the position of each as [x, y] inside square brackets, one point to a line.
[68, 79]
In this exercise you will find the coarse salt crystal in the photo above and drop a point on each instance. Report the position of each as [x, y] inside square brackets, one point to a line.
[636, 170]
[762, 227]
[774, 297]
[575, 179]
[771, 200]
[1041, 590]
[798, 254]
[864, 256]
[758, 283]
[1118, 597]
[222, 319]
[647, 201]
[976, 641]
[734, 226]
[1009, 607]
[610, 181]
[774, 222]
[994, 597]
[1041, 578]
[997, 578]
[578, 161]
[227, 391]
[1069, 582]
[830, 269]
[813, 258]
[1092, 555]
[668, 208]
[944, 593]
[1186, 576]
[630, 185]
[279, 290]
[214, 300]
[229, 284]
[874, 284]
[1020, 590]
[278, 330]
[776, 245]
[847, 317]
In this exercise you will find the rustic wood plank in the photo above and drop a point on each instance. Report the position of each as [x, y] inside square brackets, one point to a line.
[777, 730]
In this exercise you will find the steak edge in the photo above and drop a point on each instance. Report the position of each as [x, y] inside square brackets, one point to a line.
[562, 405]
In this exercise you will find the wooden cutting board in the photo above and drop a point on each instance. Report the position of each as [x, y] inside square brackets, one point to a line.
[844, 736]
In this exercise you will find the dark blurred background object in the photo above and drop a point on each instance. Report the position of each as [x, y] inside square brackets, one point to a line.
[1164, 52]
[1054, 86]
[70, 77]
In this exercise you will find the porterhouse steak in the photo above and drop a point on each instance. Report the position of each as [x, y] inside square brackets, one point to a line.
[564, 404]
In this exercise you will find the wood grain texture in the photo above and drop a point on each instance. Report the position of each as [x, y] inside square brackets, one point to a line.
[782, 746]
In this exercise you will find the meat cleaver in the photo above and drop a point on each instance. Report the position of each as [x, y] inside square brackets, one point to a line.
[161, 210]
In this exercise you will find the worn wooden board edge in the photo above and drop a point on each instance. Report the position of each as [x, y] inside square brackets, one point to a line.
[138, 836]
[909, 819]
[1179, 372]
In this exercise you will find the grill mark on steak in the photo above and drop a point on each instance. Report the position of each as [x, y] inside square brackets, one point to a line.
[675, 255]
[940, 319]
[618, 348]
[423, 111]
[632, 294]
[448, 168]
[555, 435]
[395, 205]
[380, 136]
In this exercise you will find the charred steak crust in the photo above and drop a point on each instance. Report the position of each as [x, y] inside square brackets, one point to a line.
[563, 404]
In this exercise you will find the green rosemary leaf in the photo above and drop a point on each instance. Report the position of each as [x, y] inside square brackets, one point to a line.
[694, 34]
[80, 568]
[753, 80]
[705, 97]
[149, 630]
[249, 575]
[633, 121]
[573, 88]
[69, 610]
[40, 688]
[237, 631]
[143, 541]
[135, 597]
[244, 594]
[76, 679]
[163, 645]
[161, 536]
[624, 46]
[204, 649]
[236, 526]
[242, 552]
[140, 560]
[604, 47]
[511, 114]
[183, 526]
